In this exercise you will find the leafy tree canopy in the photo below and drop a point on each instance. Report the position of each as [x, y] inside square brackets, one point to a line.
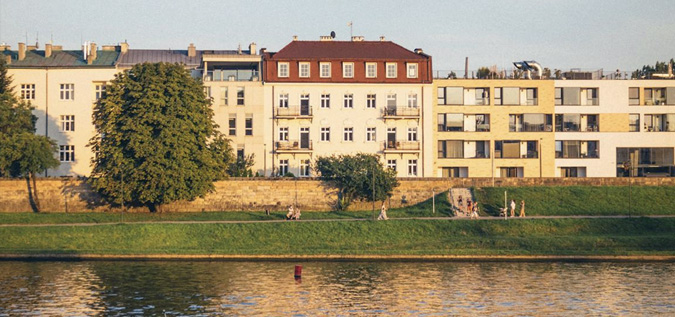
[360, 176]
[156, 141]
[648, 70]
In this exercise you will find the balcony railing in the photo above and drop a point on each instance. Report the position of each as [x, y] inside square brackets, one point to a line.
[400, 112]
[527, 127]
[232, 75]
[293, 111]
[401, 146]
[294, 145]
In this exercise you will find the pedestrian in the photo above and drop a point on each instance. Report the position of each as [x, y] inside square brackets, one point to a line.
[513, 208]
[296, 214]
[522, 209]
[469, 207]
[383, 213]
[291, 212]
[474, 212]
[460, 202]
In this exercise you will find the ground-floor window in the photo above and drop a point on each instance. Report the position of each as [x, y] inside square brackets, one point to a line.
[574, 171]
[511, 172]
[455, 172]
[412, 167]
[283, 167]
[304, 168]
[391, 164]
[66, 153]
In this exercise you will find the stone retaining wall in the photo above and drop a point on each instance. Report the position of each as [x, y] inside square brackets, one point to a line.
[251, 194]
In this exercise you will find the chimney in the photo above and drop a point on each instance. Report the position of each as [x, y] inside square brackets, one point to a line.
[382, 38]
[124, 47]
[92, 53]
[295, 37]
[357, 38]
[251, 48]
[48, 50]
[263, 50]
[419, 51]
[192, 50]
[325, 38]
[22, 51]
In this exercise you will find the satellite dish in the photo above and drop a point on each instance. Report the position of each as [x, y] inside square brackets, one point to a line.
[332, 34]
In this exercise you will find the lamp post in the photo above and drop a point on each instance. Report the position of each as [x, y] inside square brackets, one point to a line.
[265, 160]
[539, 150]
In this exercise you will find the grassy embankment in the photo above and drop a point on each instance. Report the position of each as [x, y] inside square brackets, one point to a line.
[636, 236]
[582, 200]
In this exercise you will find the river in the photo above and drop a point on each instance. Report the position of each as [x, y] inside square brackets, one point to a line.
[335, 288]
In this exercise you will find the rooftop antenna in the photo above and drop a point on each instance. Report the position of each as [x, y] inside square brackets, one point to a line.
[37, 36]
[351, 29]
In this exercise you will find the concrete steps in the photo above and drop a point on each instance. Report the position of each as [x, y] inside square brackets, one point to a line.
[453, 196]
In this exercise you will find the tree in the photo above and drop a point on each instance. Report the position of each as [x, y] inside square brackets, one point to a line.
[648, 70]
[241, 167]
[360, 176]
[22, 153]
[156, 141]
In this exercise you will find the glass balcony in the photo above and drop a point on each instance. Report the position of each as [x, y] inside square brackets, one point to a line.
[232, 75]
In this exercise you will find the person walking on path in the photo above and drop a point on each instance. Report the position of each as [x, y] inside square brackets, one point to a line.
[460, 202]
[383, 213]
[522, 209]
[474, 211]
[469, 207]
[513, 208]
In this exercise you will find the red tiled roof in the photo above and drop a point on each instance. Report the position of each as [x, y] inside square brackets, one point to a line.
[326, 50]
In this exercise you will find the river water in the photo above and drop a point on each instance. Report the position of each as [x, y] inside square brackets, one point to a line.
[335, 288]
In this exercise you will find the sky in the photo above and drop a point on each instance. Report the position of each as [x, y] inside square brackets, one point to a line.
[585, 34]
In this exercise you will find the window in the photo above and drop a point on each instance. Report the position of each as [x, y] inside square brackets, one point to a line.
[573, 171]
[207, 92]
[634, 122]
[450, 122]
[412, 167]
[67, 91]
[283, 100]
[325, 70]
[325, 101]
[283, 167]
[248, 125]
[412, 101]
[568, 122]
[283, 134]
[68, 123]
[412, 134]
[454, 172]
[282, 69]
[592, 122]
[349, 101]
[304, 168]
[576, 149]
[482, 122]
[67, 153]
[240, 96]
[303, 69]
[575, 96]
[412, 70]
[482, 96]
[508, 96]
[370, 134]
[633, 96]
[223, 96]
[391, 164]
[660, 96]
[99, 89]
[451, 149]
[660, 122]
[530, 122]
[371, 70]
[647, 161]
[531, 97]
[28, 91]
[348, 135]
[325, 134]
[391, 101]
[348, 70]
[511, 172]
[451, 95]
[233, 124]
[507, 149]
[370, 101]
[391, 70]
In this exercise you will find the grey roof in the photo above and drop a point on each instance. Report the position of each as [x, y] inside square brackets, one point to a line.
[133, 57]
[59, 58]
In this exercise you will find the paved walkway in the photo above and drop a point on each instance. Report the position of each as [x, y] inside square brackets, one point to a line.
[320, 220]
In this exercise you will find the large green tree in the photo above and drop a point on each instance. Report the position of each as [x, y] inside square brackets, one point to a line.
[22, 153]
[360, 176]
[156, 141]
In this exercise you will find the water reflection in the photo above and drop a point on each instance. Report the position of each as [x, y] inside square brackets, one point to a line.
[331, 288]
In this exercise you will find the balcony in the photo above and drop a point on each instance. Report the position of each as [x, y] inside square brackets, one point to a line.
[293, 112]
[293, 146]
[401, 146]
[400, 112]
[232, 75]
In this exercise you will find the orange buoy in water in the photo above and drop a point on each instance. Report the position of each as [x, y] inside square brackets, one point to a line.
[298, 271]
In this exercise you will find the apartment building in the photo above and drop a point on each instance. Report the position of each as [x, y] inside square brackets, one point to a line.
[607, 128]
[344, 97]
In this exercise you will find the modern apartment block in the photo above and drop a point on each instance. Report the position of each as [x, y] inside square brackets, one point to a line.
[345, 97]
[493, 128]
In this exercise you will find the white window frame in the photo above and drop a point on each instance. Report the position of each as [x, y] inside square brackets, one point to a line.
[371, 134]
[325, 101]
[303, 69]
[283, 100]
[412, 100]
[391, 164]
[412, 70]
[283, 167]
[412, 167]
[392, 70]
[347, 70]
[282, 69]
[412, 134]
[325, 134]
[68, 123]
[232, 129]
[348, 101]
[28, 91]
[348, 134]
[371, 101]
[325, 69]
[248, 125]
[66, 153]
[371, 67]
[305, 168]
[223, 96]
[99, 90]
[241, 100]
[67, 92]
[283, 133]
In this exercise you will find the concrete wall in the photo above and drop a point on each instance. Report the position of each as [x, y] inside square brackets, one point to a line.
[71, 195]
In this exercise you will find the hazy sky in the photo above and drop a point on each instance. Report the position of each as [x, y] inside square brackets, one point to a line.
[583, 34]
